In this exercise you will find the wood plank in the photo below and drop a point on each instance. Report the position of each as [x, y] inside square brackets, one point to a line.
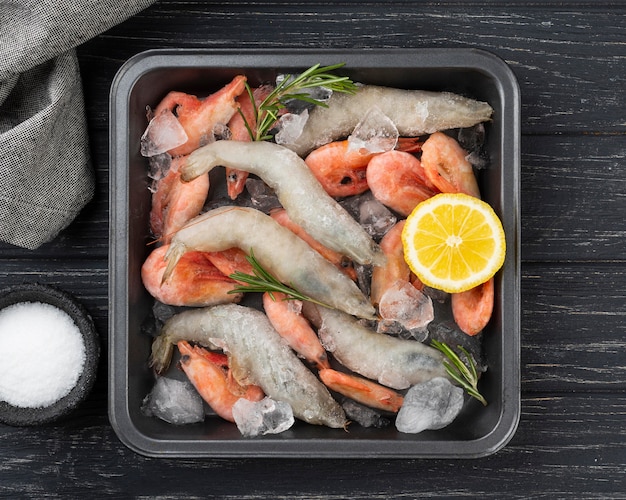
[573, 327]
[564, 446]
[573, 197]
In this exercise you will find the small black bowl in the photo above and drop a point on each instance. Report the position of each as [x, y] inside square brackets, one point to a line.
[36, 292]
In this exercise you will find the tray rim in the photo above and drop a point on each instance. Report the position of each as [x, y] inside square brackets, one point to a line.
[455, 58]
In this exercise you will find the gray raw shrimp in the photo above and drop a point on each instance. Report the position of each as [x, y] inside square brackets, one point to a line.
[394, 362]
[413, 112]
[276, 248]
[298, 190]
[257, 355]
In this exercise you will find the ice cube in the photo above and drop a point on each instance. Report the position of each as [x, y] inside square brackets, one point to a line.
[290, 127]
[262, 196]
[255, 418]
[435, 294]
[404, 303]
[163, 133]
[159, 166]
[160, 314]
[376, 218]
[363, 415]
[174, 401]
[375, 133]
[364, 278]
[447, 331]
[430, 405]
[397, 329]
[472, 139]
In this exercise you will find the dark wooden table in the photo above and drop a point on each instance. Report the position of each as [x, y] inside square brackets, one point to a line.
[570, 59]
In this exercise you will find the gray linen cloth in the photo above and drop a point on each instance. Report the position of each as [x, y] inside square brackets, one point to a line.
[46, 177]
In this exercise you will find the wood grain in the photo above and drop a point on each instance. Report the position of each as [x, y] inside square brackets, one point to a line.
[570, 60]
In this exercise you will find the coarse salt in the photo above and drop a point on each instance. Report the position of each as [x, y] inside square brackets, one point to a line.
[43, 354]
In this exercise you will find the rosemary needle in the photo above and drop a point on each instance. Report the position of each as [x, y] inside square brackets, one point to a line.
[263, 281]
[465, 375]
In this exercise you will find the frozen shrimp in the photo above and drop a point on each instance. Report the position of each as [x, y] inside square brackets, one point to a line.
[394, 362]
[297, 189]
[447, 167]
[395, 268]
[257, 355]
[397, 180]
[414, 113]
[199, 117]
[209, 374]
[294, 328]
[342, 262]
[236, 179]
[195, 281]
[362, 390]
[175, 202]
[472, 309]
[277, 249]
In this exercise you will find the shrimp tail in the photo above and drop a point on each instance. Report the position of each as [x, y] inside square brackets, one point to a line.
[173, 255]
[162, 350]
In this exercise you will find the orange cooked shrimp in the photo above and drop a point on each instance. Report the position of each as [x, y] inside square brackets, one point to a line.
[472, 309]
[394, 269]
[174, 202]
[231, 260]
[342, 262]
[199, 117]
[236, 179]
[341, 170]
[214, 381]
[294, 328]
[397, 180]
[194, 282]
[446, 166]
[362, 390]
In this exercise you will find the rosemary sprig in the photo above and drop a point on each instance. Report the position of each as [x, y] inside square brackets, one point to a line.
[263, 281]
[267, 112]
[459, 371]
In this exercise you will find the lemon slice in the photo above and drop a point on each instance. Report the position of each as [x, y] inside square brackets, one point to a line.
[453, 242]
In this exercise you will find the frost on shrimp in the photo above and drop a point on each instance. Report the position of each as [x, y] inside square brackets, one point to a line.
[199, 117]
[413, 112]
[394, 362]
[297, 189]
[257, 354]
[276, 248]
[175, 202]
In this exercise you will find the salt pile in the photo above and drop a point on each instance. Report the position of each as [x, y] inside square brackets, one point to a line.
[43, 354]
